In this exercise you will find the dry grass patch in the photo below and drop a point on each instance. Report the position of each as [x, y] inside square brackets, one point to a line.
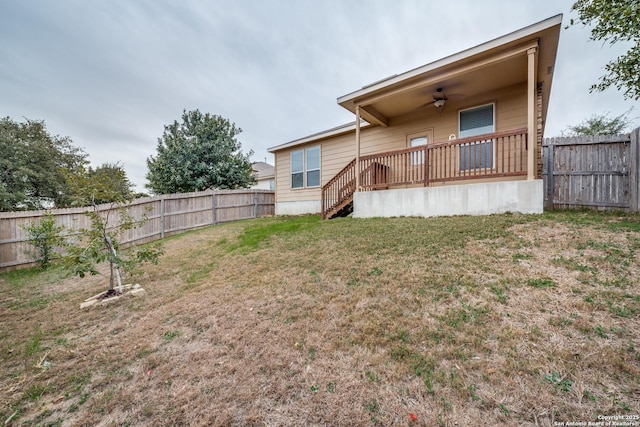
[495, 320]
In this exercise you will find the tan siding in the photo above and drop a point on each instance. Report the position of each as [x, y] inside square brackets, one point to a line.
[512, 108]
[338, 151]
[284, 193]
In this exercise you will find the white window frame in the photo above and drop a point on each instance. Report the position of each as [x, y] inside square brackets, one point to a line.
[305, 170]
[417, 159]
[297, 171]
[465, 147]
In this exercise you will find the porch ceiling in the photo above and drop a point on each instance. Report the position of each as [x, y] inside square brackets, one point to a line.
[496, 64]
[457, 88]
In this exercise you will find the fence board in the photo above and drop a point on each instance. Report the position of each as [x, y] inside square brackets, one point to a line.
[634, 178]
[591, 171]
[166, 215]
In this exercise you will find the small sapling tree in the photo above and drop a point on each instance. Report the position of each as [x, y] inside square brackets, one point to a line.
[45, 236]
[100, 243]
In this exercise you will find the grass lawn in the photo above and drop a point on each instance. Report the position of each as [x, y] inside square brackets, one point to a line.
[466, 321]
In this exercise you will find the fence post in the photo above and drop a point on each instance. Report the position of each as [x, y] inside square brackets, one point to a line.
[255, 203]
[162, 217]
[214, 207]
[634, 170]
[549, 190]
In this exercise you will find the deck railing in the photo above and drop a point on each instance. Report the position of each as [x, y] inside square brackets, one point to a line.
[493, 155]
[499, 154]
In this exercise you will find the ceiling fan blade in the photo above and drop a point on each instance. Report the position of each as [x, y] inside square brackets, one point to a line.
[456, 96]
[427, 104]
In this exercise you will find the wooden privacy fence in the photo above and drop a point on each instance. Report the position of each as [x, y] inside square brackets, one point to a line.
[166, 214]
[599, 172]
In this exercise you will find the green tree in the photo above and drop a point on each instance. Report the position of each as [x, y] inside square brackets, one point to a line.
[45, 236]
[100, 243]
[615, 21]
[32, 162]
[199, 153]
[601, 124]
[104, 184]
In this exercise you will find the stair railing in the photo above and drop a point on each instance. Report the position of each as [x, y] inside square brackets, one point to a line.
[339, 188]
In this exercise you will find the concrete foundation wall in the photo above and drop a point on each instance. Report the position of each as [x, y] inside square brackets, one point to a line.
[466, 199]
[298, 208]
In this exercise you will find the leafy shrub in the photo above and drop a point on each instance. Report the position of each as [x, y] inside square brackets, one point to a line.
[45, 236]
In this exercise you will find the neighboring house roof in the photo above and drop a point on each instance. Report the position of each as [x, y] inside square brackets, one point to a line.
[481, 69]
[263, 170]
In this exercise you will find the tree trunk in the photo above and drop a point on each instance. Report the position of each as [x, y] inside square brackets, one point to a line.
[111, 276]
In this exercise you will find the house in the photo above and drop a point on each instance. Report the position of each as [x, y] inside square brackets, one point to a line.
[459, 136]
[265, 176]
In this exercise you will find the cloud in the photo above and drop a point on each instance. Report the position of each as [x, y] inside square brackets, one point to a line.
[111, 74]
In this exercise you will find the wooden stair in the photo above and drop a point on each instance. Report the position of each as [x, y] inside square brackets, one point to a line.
[345, 208]
[337, 194]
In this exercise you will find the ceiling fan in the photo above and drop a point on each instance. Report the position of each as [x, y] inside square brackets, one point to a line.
[439, 99]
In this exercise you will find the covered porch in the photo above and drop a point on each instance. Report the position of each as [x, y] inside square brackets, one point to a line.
[483, 158]
[504, 147]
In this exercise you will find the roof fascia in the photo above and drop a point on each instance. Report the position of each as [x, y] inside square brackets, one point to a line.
[522, 33]
[339, 130]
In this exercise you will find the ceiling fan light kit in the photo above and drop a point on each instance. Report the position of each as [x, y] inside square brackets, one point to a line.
[439, 99]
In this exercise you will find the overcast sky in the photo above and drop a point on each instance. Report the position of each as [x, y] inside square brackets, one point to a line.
[110, 74]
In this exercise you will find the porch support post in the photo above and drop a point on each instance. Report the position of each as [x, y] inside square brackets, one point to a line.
[357, 148]
[532, 67]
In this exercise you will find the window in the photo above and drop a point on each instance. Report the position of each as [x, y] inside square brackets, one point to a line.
[313, 166]
[417, 158]
[476, 155]
[476, 121]
[305, 168]
[297, 169]
[416, 139]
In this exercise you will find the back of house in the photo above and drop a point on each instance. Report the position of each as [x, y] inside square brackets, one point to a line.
[461, 135]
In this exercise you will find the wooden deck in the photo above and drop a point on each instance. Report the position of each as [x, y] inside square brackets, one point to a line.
[494, 155]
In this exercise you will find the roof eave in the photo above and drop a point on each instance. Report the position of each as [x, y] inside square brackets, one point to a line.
[347, 101]
[339, 130]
